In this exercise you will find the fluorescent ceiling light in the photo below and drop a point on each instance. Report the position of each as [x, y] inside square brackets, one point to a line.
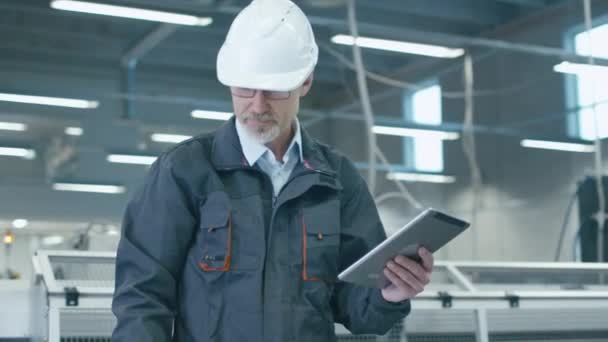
[131, 159]
[581, 69]
[113, 231]
[20, 223]
[130, 12]
[399, 46]
[25, 153]
[210, 115]
[106, 189]
[420, 177]
[49, 101]
[13, 126]
[75, 131]
[415, 132]
[169, 138]
[52, 240]
[555, 145]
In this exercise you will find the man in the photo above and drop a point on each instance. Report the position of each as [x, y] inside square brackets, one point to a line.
[239, 235]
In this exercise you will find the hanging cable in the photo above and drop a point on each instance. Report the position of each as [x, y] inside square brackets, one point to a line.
[571, 111]
[414, 87]
[364, 95]
[468, 145]
[389, 195]
[368, 113]
[403, 192]
[601, 200]
[576, 244]
[564, 228]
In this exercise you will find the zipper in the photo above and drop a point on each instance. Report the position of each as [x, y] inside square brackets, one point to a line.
[289, 181]
[300, 174]
[267, 177]
[275, 199]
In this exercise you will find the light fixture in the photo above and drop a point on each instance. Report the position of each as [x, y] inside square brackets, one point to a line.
[415, 132]
[20, 223]
[399, 46]
[556, 145]
[8, 238]
[112, 231]
[81, 187]
[210, 115]
[169, 138]
[13, 126]
[131, 159]
[581, 69]
[75, 131]
[52, 240]
[420, 177]
[130, 12]
[24, 153]
[49, 101]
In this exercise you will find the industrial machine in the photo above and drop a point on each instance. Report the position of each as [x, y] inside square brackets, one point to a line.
[72, 297]
[466, 301]
[588, 230]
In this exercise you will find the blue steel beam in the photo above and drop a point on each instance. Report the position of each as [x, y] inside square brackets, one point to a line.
[130, 59]
[525, 3]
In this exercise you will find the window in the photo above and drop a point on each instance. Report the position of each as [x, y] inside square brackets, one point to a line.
[590, 88]
[424, 107]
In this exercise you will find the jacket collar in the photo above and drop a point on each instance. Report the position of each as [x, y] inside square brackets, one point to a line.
[227, 153]
[254, 150]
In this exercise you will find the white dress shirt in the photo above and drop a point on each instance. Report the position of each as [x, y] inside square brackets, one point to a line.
[257, 153]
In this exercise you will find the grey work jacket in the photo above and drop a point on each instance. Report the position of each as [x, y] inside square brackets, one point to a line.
[207, 255]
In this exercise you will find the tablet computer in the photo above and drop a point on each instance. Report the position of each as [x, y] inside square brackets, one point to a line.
[431, 229]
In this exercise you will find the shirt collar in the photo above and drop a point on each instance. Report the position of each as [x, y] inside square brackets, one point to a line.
[253, 150]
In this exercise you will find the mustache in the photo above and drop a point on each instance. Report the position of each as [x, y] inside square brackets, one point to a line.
[259, 116]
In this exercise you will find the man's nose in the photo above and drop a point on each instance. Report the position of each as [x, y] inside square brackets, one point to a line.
[258, 102]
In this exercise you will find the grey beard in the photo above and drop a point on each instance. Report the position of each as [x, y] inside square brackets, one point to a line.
[264, 136]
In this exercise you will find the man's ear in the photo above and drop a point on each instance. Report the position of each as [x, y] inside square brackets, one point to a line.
[305, 87]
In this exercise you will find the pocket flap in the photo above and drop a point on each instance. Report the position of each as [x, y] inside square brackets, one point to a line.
[215, 211]
[323, 218]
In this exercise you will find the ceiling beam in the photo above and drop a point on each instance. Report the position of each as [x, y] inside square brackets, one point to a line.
[482, 47]
[480, 12]
[525, 3]
[147, 43]
[130, 59]
[446, 39]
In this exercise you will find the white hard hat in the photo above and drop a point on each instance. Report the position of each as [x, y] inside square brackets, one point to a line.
[270, 46]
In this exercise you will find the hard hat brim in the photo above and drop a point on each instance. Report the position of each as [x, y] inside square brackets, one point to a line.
[237, 77]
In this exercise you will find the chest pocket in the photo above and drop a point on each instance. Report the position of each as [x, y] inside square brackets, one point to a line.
[320, 241]
[222, 233]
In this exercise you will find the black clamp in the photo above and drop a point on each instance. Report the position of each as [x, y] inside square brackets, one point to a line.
[513, 300]
[446, 299]
[71, 296]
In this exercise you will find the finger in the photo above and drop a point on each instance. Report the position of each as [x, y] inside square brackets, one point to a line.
[406, 276]
[398, 282]
[415, 268]
[427, 259]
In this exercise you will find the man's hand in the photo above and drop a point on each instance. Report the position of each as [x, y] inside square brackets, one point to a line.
[408, 277]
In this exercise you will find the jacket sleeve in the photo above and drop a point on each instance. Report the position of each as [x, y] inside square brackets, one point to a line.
[157, 229]
[362, 310]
